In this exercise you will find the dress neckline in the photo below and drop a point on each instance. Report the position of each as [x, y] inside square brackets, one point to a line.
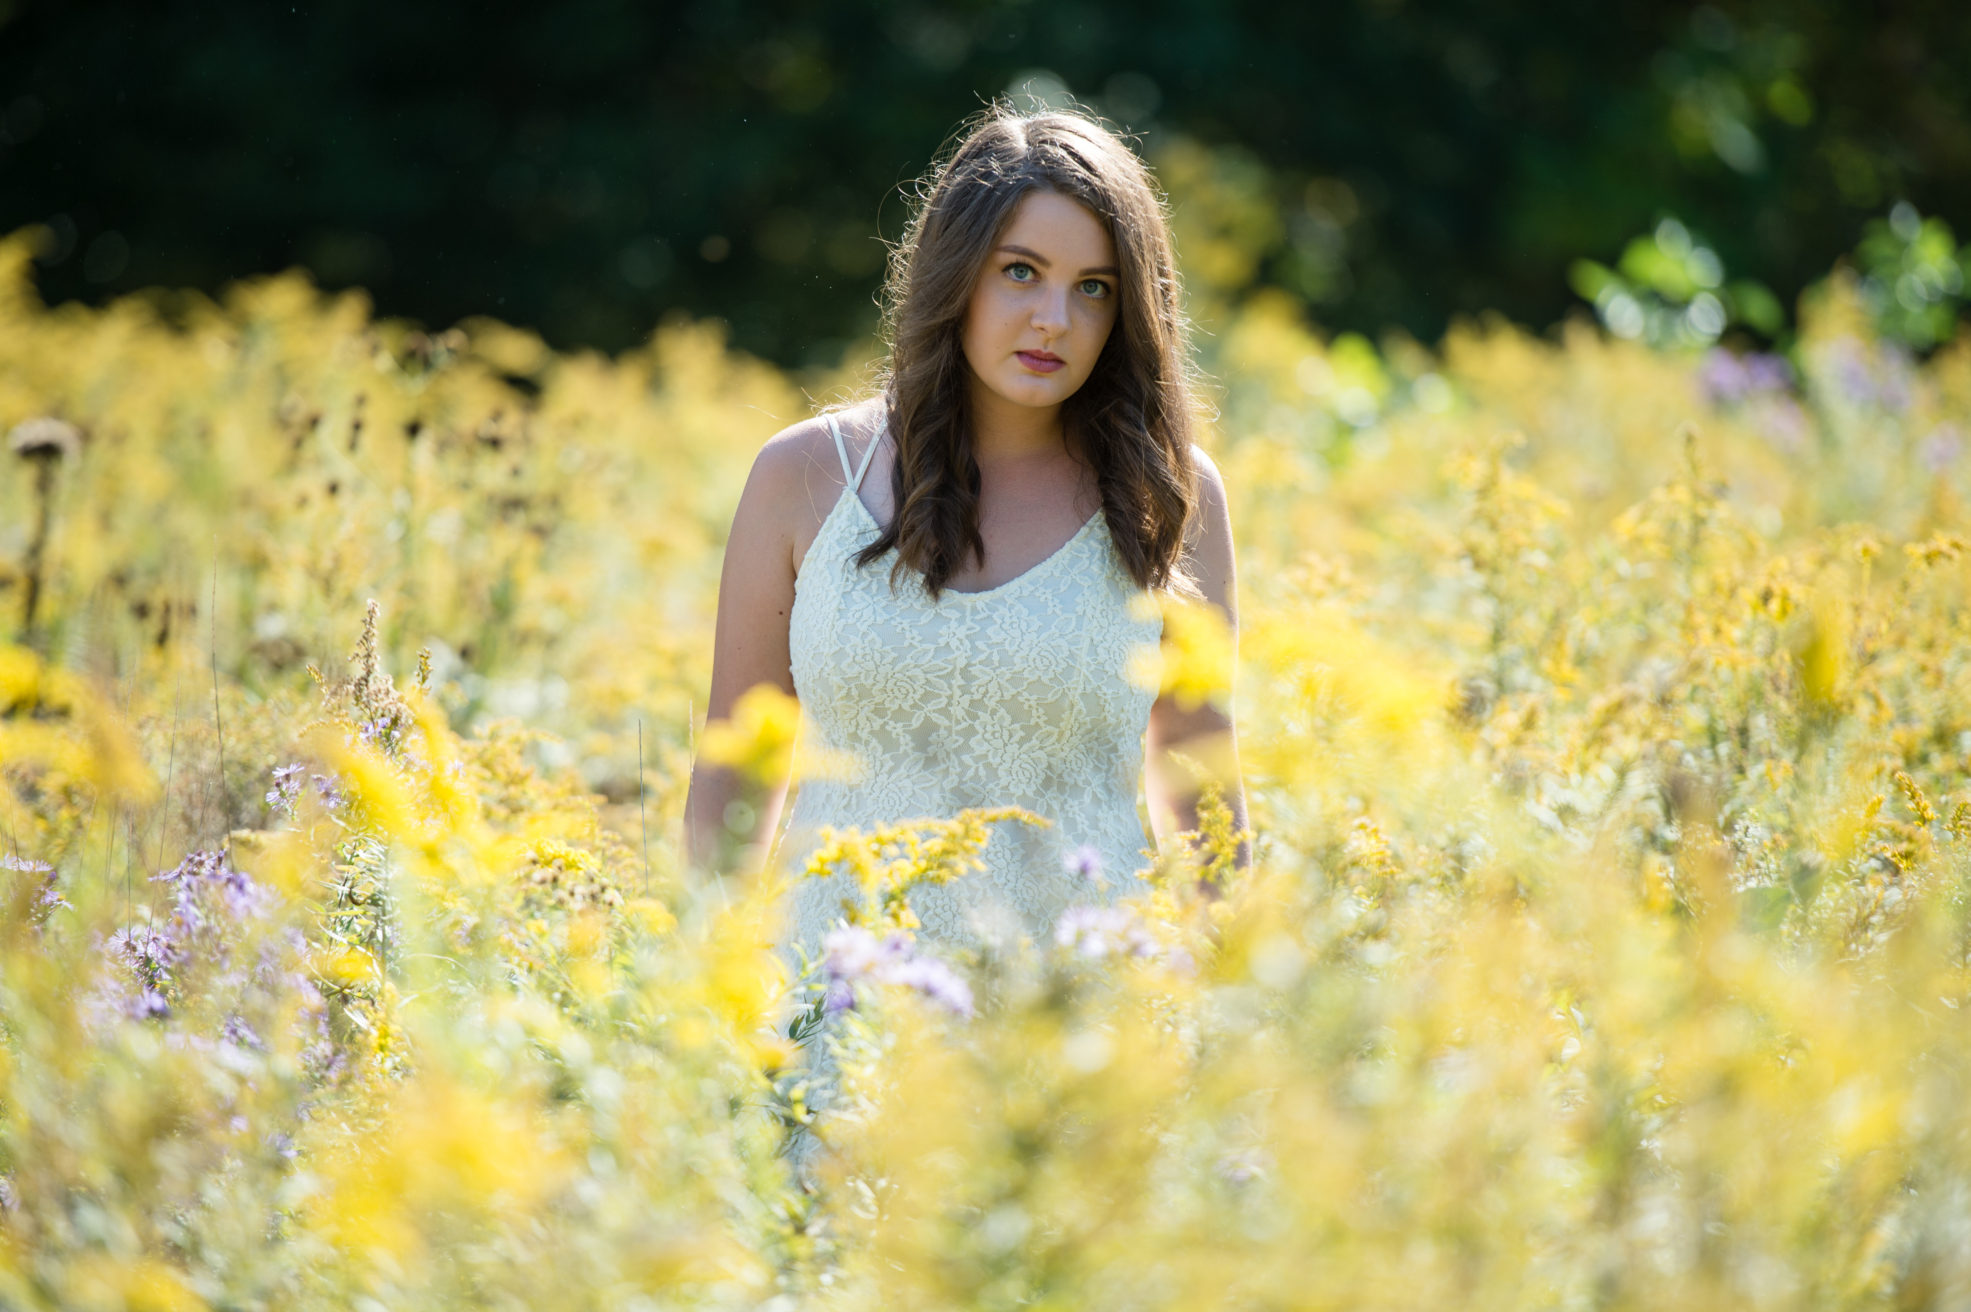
[1029, 572]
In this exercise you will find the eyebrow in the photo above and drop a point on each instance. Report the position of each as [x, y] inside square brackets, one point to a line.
[1046, 263]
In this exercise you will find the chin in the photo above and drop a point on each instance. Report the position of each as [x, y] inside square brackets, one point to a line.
[1040, 391]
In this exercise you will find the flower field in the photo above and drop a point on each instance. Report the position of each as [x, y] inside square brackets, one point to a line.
[1606, 717]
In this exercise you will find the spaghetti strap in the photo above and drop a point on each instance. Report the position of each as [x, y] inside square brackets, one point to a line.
[867, 456]
[840, 450]
[854, 477]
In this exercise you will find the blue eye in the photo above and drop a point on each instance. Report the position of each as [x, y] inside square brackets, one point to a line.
[1014, 271]
[1094, 287]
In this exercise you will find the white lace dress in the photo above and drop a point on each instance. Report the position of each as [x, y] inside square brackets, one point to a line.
[1018, 695]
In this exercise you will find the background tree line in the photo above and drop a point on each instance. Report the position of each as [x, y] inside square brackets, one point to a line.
[586, 167]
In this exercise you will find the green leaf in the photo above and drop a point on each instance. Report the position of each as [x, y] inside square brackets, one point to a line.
[1753, 304]
[1589, 279]
[1761, 909]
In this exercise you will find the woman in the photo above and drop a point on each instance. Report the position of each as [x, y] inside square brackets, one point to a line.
[944, 574]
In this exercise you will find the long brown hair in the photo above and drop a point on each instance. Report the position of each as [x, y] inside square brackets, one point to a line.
[1130, 421]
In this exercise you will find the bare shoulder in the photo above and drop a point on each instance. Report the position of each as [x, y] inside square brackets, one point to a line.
[861, 421]
[801, 462]
[789, 455]
[796, 480]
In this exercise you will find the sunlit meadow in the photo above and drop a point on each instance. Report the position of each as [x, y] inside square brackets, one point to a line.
[1605, 707]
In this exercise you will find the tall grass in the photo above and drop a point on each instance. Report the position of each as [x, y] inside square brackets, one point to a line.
[1607, 720]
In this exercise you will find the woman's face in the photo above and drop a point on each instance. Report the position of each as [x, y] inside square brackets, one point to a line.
[1044, 304]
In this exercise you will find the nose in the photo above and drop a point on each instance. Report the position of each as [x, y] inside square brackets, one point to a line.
[1050, 311]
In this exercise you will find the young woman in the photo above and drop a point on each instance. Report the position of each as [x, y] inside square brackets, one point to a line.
[944, 574]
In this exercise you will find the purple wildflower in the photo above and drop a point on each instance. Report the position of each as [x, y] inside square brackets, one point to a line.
[240, 895]
[147, 1005]
[1941, 447]
[1085, 863]
[147, 952]
[384, 732]
[323, 1061]
[330, 790]
[1099, 931]
[1722, 377]
[10, 1201]
[1884, 381]
[205, 878]
[1243, 1166]
[48, 898]
[287, 787]
[840, 996]
[851, 953]
[191, 871]
[208, 898]
[935, 980]
[240, 1034]
[1729, 378]
[1765, 372]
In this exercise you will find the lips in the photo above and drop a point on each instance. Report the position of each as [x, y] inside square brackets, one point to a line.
[1041, 362]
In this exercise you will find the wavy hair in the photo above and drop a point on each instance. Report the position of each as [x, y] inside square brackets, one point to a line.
[1131, 421]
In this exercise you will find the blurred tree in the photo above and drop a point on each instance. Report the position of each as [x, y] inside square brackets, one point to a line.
[585, 167]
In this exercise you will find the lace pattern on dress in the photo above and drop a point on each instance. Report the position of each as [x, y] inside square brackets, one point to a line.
[1015, 695]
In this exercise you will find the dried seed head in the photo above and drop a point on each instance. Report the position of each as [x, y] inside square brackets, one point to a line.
[45, 438]
[368, 697]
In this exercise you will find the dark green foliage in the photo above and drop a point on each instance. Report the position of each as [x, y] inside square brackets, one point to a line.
[586, 166]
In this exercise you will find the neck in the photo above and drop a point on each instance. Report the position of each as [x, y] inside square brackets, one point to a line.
[1004, 431]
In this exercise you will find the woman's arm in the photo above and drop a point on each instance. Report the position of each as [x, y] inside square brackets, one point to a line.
[1204, 735]
[750, 647]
